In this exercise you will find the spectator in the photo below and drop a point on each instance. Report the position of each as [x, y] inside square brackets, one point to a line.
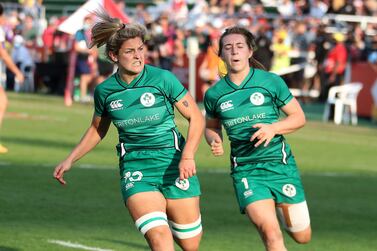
[318, 9]
[264, 53]
[336, 5]
[372, 60]
[300, 45]
[281, 51]
[208, 70]
[104, 67]
[180, 61]
[84, 58]
[286, 8]
[348, 8]
[179, 11]
[335, 65]
[361, 9]
[356, 44]
[141, 15]
[321, 47]
[48, 36]
[302, 7]
[24, 61]
[29, 31]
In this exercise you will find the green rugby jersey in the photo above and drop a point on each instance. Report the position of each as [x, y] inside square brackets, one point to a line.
[256, 100]
[142, 111]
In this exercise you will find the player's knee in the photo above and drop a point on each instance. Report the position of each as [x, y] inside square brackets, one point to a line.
[273, 237]
[158, 237]
[190, 244]
[187, 235]
[303, 237]
[302, 240]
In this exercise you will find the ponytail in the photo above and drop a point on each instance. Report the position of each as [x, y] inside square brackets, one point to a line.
[256, 64]
[112, 32]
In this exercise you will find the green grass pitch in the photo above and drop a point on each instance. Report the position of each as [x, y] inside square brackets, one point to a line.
[338, 166]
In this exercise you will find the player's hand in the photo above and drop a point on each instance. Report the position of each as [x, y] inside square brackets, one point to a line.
[61, 169]
[265, 134]
[20, 78]
[217, 148]
[187, 168]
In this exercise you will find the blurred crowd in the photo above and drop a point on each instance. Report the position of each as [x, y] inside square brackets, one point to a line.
[308, 34]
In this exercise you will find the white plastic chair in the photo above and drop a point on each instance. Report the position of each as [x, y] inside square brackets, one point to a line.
[344, 97]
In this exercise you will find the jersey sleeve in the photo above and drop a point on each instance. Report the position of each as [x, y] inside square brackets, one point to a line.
[99, 103]
[283, 95]
[209, 105]
[174, 90]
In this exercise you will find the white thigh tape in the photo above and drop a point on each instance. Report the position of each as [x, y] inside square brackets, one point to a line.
[185, 231]
[295, 218]
[151, 220]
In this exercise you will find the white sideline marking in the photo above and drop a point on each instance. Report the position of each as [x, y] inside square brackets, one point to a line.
[76, 245]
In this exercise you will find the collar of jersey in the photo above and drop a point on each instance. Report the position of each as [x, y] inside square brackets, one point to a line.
[133, 82]
[244, 82]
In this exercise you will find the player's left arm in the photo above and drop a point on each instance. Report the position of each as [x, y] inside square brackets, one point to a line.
[7, 59]
[189, 109]
[294, 120]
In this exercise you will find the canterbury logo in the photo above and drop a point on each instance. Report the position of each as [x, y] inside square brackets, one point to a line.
[116, 104]
[226, 105]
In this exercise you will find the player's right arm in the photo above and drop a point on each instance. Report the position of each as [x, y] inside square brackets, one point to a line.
[214, 137]
[95, 133]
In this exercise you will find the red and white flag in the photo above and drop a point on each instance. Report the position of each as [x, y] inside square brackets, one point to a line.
[74, 23]
[76, 20]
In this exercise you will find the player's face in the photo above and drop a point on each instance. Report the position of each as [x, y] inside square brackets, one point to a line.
[235, 52]
[131, 56]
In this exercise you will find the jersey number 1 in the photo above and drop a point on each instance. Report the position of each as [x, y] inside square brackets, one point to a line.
[244, 181]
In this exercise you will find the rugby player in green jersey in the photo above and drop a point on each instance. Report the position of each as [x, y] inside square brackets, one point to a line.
[157, 167]
[247, 103]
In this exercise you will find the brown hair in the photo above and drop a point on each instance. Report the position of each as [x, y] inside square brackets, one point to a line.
[112, 32]
[250, 41]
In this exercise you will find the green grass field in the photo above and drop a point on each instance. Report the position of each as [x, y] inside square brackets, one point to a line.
[338, 166]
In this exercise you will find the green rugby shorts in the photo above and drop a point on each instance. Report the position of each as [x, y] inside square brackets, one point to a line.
[267, 180]
[155, 170]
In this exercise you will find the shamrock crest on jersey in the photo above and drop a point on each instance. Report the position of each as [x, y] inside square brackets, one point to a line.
[147, 99]
[182, 184]
[257, 98]
[289, 190]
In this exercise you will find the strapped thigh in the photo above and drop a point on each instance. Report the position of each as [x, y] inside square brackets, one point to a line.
[151, 220]
[294, 217]
[185, 231]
